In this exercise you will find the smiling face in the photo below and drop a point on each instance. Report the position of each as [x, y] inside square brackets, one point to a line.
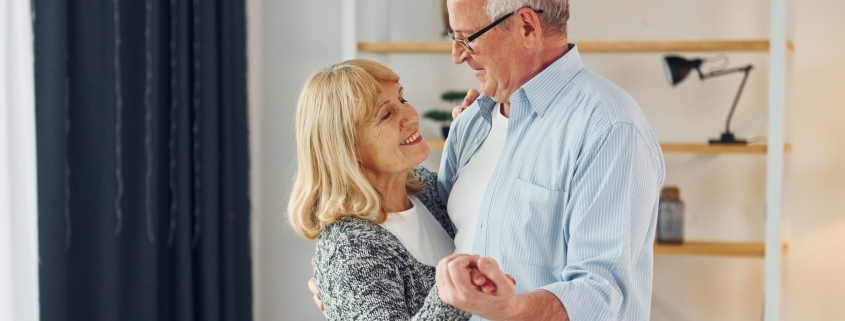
[496, 57]
[388, 141]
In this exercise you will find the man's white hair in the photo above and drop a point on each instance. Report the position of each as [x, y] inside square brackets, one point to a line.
[554, 17]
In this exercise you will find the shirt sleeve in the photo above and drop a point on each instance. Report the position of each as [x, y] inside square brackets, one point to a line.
[612, 210]
[359, 280]
[448, 165]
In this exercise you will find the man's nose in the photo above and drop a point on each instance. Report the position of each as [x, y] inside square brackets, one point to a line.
[459, 53]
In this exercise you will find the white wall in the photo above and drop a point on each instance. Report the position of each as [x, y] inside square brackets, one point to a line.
[725, 195]
[816, 199]
[288, 40]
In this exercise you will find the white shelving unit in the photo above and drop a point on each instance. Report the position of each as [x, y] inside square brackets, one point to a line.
[774, 159]
[777, 46]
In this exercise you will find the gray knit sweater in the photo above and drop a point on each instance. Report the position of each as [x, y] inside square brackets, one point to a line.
[364, 272]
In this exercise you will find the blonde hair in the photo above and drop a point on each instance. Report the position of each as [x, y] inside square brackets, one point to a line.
[329, 181]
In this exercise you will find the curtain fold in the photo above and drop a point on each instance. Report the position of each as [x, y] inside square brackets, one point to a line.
[142, 160]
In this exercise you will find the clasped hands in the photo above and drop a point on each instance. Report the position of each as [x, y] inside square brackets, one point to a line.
[471, 283]
[476, 285]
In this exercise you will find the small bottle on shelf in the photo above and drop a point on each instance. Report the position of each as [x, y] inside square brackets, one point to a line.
[670, 217]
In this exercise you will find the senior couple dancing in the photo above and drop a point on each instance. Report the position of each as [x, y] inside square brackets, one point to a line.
[544, 206]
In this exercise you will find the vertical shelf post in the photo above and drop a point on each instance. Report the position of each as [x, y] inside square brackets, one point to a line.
[348, 30]
[774, 159]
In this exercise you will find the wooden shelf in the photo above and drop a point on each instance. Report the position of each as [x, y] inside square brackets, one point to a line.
[594, 46]
[757, 250]
[677, 46]
[435, 143]
[406, 47]
[702, 148]
[682, 148]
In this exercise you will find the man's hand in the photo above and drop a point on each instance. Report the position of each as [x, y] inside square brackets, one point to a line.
[472, 95]
[459, 286]
[312, 285]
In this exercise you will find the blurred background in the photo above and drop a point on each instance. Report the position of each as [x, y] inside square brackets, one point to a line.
[147, 149]
[724, 194]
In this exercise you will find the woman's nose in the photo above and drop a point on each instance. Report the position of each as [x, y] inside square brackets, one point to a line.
[409, 117]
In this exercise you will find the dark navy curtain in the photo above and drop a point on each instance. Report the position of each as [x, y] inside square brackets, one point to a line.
[142, 160]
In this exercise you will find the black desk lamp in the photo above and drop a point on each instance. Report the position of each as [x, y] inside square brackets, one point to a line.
[678, 68]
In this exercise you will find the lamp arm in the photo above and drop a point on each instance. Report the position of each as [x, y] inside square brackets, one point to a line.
[736, 100]
[725, 71]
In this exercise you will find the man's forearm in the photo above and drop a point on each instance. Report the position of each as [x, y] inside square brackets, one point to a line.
[538, 305]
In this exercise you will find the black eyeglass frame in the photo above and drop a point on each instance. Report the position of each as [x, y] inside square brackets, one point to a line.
[474, 36]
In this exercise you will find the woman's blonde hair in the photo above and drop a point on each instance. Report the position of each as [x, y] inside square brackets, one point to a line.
[330, 183]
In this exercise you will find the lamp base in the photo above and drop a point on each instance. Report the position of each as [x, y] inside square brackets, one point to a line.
[728, 139]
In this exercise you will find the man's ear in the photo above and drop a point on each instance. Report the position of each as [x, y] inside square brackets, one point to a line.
[528, 24]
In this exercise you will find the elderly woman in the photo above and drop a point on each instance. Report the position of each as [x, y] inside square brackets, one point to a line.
[376, 214]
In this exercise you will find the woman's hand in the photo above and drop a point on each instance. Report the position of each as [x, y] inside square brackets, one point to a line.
[472, 95]
[482, 282]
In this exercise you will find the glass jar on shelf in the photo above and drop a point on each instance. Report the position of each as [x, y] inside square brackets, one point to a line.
[670, 217]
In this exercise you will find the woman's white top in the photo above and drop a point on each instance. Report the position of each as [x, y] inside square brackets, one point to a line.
[420, 233]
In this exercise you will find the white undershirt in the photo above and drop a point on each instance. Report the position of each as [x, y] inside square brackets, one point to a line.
[468, 191]
[420, 233]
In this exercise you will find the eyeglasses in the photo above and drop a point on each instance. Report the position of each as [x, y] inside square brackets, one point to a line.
[465, 42]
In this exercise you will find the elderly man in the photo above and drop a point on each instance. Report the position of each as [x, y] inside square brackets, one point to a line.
[552, 175]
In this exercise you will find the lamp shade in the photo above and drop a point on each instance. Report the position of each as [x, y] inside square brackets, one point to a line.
[676, 68]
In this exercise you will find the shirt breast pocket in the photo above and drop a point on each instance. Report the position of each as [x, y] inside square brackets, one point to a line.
[535, 233]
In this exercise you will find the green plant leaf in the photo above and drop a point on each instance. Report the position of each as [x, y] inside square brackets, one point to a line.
[438, 115]
[453, 95]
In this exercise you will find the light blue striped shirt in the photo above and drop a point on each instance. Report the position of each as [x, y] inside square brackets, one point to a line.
[571, 207]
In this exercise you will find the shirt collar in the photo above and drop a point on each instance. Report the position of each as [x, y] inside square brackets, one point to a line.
[541, 89]
[485, 106]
